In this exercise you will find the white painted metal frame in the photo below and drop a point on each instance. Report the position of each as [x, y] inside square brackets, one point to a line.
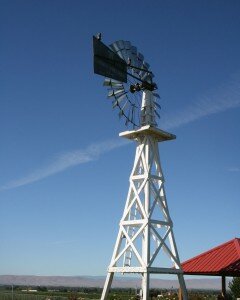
[141, 226]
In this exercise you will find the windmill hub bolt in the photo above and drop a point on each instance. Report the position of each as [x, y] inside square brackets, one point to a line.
[142, 86]
[135, 87]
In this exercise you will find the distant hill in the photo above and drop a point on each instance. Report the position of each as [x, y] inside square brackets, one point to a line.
[98, 281]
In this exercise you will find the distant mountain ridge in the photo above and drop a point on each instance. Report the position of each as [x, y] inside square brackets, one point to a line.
[98, 281]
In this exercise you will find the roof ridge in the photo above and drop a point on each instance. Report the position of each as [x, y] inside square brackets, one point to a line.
[214, 249]
[237, 245]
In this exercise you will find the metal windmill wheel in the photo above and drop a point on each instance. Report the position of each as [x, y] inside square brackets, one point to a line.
[127, 76]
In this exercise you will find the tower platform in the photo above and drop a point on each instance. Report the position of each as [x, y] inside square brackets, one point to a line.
[156, 133]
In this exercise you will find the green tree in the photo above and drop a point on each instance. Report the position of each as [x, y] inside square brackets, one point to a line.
[234, 286]
[42, 289]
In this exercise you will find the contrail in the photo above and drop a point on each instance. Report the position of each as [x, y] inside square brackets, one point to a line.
[218, 100]
[234, 169]
[65, 161]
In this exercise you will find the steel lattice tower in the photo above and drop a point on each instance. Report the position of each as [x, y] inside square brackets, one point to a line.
[146, 230]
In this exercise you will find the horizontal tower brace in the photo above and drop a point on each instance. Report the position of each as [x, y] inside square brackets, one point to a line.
[144, 270]
[134, 222]
[162, 223]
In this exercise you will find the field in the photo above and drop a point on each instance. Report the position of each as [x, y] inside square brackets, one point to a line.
[64, 293]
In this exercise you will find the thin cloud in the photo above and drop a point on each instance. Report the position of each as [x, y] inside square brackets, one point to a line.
[66, 161]
[217, 100]
[234, 169]
[64, 242]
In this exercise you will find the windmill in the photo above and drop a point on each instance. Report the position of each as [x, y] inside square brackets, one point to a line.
[145, 242]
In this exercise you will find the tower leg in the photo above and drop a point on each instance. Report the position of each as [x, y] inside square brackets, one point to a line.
[182, 287]
[107, 285]
[145, 286]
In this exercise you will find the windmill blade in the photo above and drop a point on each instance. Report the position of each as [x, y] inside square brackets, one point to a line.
[121, 113]
[120, 97]
[158, 105]
[111, 82]
[144, 72]
[157, 114]
[113, 93]
[118, 100]
[116, 47]
[128, 114]
[107, 82]
[126, 51]
[127, 45]
[121, 44]
[135, 64]
[156, 95]
[125, 54]
[124, 107]
[140, 57]
[110, 94]
[126, 122]
[132, 115]
[114, 103]
[116, 87]
[134, 50]
[134, 61]
[119, 53]
[143, 68]
[145, 76]
[134, 58]
[122, 48]
[139, 62]
[113, 47]
[146, 65]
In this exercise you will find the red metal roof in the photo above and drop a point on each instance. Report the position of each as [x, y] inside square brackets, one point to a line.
[221, 260]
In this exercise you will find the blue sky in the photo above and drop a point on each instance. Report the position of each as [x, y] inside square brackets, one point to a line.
[64, 170]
